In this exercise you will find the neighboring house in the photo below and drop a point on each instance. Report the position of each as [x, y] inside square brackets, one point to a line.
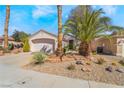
[114, 46]
[10, 40]
[45, 41]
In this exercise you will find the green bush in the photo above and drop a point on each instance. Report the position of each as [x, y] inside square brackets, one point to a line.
[122, 62]
[1, 48]
[71, 67]
[39, 58]
[10, 46]
[100, 61]
[94, 52]
[26, 47]
[66, 48]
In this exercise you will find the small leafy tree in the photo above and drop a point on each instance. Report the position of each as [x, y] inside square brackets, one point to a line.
[26, 47]
[19, 36]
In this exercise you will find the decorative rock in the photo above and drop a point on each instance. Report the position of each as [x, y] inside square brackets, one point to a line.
[79, 63]
[83, 69]
[120, 70]
[86, 69]
[23, 82]
[109, 68]
[93, 59]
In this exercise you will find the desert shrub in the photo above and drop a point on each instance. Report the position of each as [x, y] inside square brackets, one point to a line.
[121, 62]
[10, 46]
[26, 47]
[71, 67]
[94, 52]
[1, 48]
[66, 48]
[100, 61]
[114, 64]
[88, 63]
[39, 58]
[6, 50]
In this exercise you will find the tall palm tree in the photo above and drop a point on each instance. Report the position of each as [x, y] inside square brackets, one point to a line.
[88, 26]
[59, 49]
[6, 26]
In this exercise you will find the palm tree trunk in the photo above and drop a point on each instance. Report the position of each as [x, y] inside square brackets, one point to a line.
[59, 49]
[84, 49]
[6, 26]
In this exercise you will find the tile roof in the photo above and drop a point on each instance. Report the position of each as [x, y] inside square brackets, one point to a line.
[9, 38]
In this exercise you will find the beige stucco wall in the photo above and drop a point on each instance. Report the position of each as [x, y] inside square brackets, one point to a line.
[120, 47]
[69, 37]
[110, 45]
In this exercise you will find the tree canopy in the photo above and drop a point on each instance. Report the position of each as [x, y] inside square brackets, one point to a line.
[20, 36]
[86, 23]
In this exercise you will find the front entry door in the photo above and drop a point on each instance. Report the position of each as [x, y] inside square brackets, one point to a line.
[71, 44]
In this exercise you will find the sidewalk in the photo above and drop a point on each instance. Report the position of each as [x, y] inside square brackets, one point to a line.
[13, 78]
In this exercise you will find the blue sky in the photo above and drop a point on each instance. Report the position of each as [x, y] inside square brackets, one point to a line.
[33, 18]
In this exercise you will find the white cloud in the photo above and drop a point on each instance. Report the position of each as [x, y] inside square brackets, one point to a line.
[42, 11]
[109, 9]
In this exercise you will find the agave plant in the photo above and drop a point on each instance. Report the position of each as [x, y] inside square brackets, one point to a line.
[87, 26]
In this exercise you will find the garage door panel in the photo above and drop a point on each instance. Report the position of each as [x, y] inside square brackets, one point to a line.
[43, 47]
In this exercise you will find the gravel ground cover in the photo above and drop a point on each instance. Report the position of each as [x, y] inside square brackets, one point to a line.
[88, 70]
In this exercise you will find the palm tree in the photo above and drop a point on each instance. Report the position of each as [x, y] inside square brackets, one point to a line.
[6, 26]
[88, 26]
[59, 49]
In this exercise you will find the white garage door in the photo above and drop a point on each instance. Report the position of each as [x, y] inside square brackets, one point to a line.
[45, 47]
[43, 44]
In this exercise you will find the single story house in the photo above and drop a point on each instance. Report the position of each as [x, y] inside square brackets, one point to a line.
[10, 41]
[45, 41]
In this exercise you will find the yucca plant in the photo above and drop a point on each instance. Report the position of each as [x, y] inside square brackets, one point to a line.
[87, 26]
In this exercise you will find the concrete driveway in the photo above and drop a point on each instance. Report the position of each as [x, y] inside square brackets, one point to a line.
[13, 76]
